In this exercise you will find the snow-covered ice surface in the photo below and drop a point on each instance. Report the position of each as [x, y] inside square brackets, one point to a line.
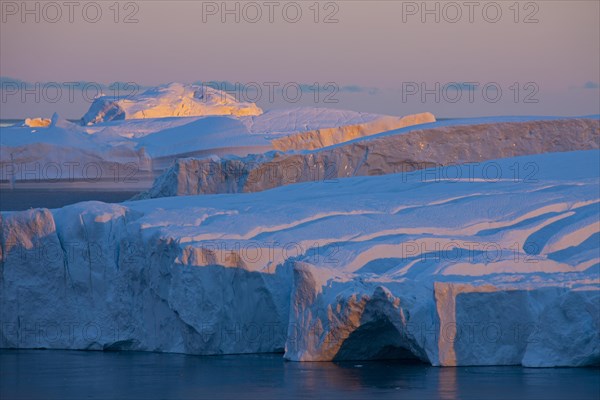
[471, 271]
[416, 147]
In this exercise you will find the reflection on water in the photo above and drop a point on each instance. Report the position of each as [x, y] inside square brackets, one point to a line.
[447, 383]
[46, 374]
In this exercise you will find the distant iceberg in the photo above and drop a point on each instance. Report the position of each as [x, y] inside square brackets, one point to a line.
[146, 133]
[172, 100]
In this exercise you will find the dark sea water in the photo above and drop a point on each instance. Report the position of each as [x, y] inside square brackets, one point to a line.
[53, 374]
[23, 199]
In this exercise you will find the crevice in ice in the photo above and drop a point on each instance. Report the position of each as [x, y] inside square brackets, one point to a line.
[361, 162]
[89, 251]
[66, 272]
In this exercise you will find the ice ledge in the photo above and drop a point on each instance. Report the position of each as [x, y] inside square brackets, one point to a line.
[256, 272]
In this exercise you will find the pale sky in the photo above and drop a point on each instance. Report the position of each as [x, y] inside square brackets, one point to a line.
[376, 50]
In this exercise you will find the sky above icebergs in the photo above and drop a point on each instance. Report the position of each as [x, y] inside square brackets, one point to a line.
[376, 55]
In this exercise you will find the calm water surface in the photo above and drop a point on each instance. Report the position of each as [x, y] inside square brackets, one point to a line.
[53, 374]
[23, 199]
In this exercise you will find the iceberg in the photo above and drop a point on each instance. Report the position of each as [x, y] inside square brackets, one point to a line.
[172, 100]
[142, 135]
[474, 271]
[36, 122]
[412, 148]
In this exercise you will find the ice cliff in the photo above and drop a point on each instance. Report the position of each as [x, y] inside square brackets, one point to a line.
[403, 150]
[473, 270]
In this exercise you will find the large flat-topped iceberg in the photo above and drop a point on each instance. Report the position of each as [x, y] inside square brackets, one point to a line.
[408, 149]
[173, 100]
[310, 128]
[471, 271]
